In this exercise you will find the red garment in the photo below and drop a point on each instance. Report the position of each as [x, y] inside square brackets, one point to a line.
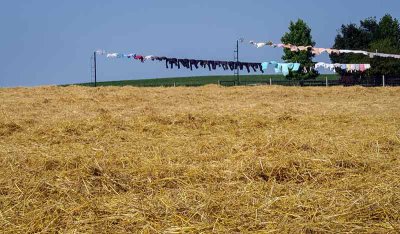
[139, 57]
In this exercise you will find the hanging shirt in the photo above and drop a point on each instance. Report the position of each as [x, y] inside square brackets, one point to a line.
[278, 67]
[113, 55]
[353, 52]
[362, 67]
[149, 57]
[296, 66]
[318, 65]
[285, 68]
[100, 52]
[302, 48]
[264, 65]
[139, 57]
[258, 45]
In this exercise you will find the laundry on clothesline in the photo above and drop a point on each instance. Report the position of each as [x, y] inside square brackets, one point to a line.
[318, 51]
[283, 68]
[346, 67]
[210, 64]
[190, 63]
[100, 52]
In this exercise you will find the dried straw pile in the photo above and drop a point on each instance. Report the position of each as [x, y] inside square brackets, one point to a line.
[173, 160]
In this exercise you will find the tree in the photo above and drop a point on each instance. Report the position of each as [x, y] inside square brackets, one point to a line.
[299, 34]
[382, 36]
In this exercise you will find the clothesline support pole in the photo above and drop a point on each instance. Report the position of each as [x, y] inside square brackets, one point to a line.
[95, 69]
[326, 81]
[270, 81]
[237, 62]
[383, 80]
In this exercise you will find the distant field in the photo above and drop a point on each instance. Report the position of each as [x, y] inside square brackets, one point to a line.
[212, 159]
[197, 81]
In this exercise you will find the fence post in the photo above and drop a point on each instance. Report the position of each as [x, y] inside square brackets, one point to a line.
[270, 81]
[326, 81]
[383, 80]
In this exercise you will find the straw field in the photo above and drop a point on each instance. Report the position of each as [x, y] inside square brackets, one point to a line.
[200, 160]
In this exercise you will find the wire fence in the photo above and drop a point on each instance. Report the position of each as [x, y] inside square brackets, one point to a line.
[370, 82]
[344, 81]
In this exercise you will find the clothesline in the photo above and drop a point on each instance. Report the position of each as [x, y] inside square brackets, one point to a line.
[318, 51]
[346, 67]
[232, 65]
[285, 68]
[188, 63]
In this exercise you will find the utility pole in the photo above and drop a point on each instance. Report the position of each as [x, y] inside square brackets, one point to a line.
[237, 60]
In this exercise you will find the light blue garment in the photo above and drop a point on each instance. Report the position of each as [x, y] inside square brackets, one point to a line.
[285, 68]
[264, 65]
[343, 66]
[120, 55]
[296, 66]
[278, 68]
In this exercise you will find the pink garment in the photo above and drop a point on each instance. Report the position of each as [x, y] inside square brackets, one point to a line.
[303, 47]
[316, 51]
[288, 46]
[294, 48]
[362, 67]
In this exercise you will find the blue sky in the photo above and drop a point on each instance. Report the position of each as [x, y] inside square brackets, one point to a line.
[50, 42]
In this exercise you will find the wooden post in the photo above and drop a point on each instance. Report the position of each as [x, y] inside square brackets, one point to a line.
[383, 80]
[326, 81]
[270, 81]
[174, 84]
[219, 83]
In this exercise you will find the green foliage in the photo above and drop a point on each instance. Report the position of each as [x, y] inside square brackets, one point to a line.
[382, 36]
[299, 34]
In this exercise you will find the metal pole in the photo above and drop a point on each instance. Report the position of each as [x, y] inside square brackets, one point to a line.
[383, 80]
[326, 81]
[270, 81]
[95, 69]
[237, 61]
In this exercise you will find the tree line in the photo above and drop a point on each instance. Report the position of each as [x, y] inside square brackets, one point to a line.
[371, 35]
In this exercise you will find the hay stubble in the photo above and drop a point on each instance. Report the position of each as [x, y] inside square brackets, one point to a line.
[206, 159]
